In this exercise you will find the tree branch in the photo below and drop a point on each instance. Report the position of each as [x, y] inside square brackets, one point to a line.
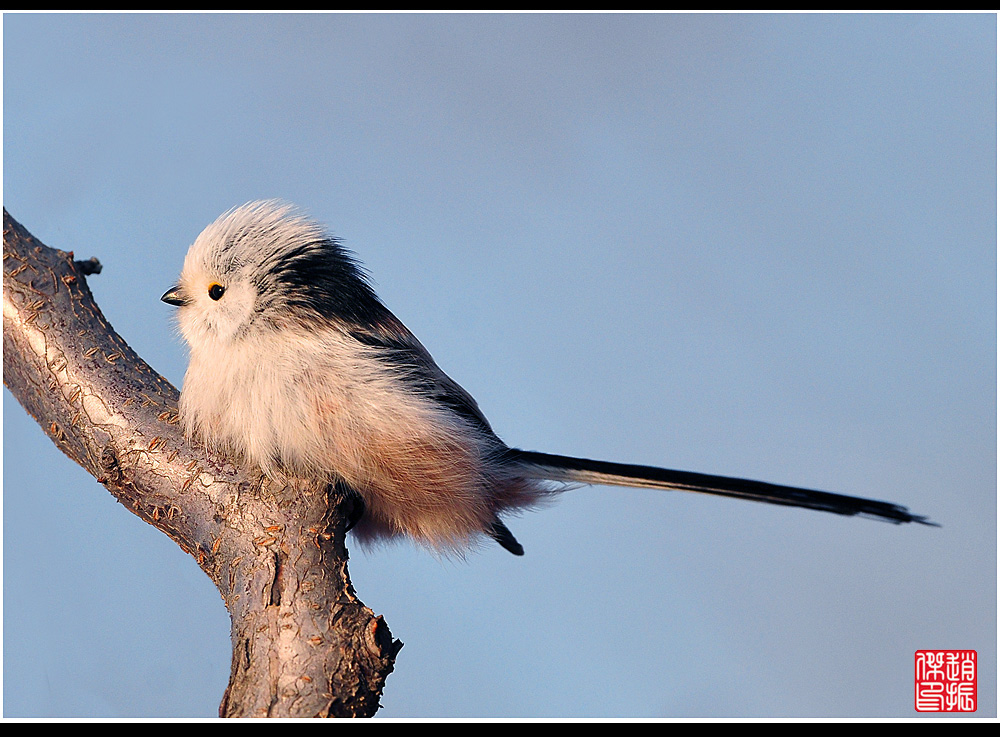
[303, 644]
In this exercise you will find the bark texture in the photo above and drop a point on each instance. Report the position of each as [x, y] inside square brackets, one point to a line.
[303, 644]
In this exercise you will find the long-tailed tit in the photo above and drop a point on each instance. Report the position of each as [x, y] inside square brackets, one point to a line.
[297, 368]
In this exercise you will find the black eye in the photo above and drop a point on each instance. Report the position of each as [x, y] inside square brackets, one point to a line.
[216, 291]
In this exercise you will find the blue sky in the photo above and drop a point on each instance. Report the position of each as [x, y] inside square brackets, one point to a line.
[756, 245]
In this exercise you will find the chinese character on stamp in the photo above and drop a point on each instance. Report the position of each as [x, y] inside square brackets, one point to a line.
[945, 680]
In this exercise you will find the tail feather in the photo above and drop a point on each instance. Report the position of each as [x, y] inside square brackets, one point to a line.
[500, 533]
[581, 470]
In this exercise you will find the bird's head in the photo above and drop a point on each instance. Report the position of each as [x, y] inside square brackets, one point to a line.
[264, 266]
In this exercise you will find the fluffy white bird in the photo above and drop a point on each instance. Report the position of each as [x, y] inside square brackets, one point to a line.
[297, 368]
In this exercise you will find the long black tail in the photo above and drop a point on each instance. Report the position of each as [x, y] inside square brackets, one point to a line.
[583, 471]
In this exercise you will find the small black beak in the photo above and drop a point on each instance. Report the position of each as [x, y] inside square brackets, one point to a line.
[174, 296]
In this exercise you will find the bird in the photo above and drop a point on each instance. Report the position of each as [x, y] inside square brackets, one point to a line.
[298, 369]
